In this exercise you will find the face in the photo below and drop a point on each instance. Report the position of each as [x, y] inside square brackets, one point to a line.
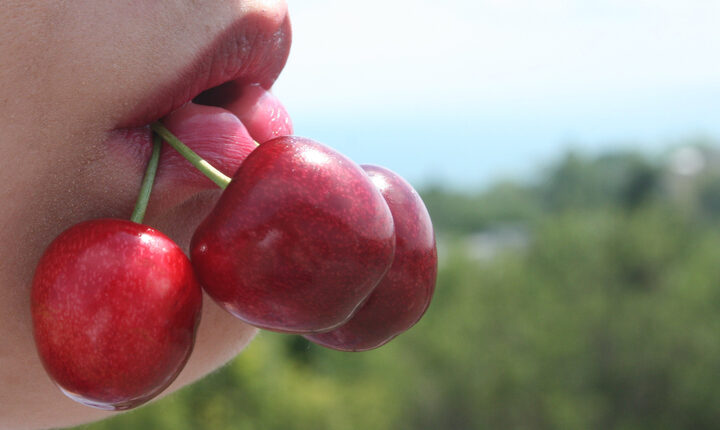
[79, 82]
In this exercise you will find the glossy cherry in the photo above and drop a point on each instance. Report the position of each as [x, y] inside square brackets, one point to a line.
[404, 294]
[115, 306]
[297, 241]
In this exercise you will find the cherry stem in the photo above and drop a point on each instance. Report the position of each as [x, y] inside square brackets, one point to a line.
[147, 183]
[203, 166]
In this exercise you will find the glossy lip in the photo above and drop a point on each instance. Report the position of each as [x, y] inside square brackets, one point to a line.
[253, 50]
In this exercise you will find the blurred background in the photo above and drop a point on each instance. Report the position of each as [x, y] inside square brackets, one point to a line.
[567, 153]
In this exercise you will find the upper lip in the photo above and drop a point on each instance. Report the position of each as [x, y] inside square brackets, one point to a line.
[251, 51]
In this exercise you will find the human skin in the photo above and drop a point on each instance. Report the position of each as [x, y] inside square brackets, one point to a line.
[70, 73]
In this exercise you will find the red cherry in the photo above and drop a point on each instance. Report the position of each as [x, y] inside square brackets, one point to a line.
[297, 241]
[115, 305]
[404, 294]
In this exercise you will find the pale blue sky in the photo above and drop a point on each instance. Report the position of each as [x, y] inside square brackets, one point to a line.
[473, 91]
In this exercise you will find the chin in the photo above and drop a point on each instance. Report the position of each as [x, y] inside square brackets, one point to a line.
[220, 335]
[180, 221]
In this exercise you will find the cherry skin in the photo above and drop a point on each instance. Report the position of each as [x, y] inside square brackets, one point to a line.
[115, 306]
[297, 241]
[402, 297]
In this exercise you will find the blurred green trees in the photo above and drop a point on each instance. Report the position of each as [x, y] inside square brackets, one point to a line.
[587, 300]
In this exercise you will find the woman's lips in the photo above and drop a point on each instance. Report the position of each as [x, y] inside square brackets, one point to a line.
[231, 81]
[253, 50]
[214, 133]
[262, 114]
[223, 137]
[217, 134]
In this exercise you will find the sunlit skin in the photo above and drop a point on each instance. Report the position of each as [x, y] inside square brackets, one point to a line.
[70, 72]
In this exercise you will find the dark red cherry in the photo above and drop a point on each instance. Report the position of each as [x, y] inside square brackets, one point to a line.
[404, 294]
[297, 241]
[115, 306]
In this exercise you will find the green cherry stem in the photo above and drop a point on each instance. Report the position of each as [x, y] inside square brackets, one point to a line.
[203, 166]
[147, 183]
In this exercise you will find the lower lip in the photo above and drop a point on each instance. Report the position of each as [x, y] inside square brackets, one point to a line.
[223, 136]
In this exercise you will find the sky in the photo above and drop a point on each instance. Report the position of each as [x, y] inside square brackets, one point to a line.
[470, 92]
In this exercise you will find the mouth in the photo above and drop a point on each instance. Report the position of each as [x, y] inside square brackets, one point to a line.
[219, 106]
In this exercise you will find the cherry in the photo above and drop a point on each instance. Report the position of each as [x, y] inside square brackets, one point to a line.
[115, 305]
[298, 240]
[404, 294]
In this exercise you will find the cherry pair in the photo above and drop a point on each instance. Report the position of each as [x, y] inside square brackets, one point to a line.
[302, 241]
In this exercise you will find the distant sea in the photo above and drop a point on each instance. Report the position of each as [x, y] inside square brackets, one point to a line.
[473, 147]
